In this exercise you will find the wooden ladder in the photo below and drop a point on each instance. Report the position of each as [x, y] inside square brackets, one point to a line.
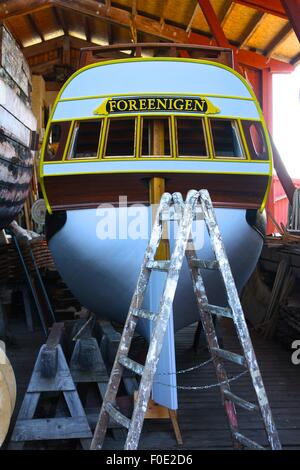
[173, 208]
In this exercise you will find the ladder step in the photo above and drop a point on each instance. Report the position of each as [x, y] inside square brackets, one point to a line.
[204, 264]
[219, 311]
[131, 365]
[117, 416]
[141, 313]
[245, 441]
[159, 265]
[230, 356]
[170, 215]
[240, 402]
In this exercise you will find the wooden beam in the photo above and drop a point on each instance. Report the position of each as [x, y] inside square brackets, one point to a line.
[213, 23]
[279, 39]
[190, 23]
[134, 8]
[251, 28]
[60, 19]
[109, 33]
[43, 47]
[166, 4]
[22, 7]
[295, 59]
[267, 98]
[87, 28]
[171, 33]
[226, 10]
[34, 27]
[66, 59]
[292, 8]
[274, 7]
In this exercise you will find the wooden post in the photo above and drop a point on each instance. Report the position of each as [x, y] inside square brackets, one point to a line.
[156, 190]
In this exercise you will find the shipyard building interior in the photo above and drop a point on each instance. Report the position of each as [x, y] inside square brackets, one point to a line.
[149, 225]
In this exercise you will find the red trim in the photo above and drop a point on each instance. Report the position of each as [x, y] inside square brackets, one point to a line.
[274, 7]
[213, 23]
[267, 98]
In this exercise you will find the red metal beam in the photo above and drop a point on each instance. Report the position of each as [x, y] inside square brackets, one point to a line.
[292, 8]
[213, 23]
[274, 7]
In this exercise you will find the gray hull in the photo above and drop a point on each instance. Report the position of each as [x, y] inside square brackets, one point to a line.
[102, 273]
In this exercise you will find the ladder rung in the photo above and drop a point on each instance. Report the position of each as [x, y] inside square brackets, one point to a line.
[170, 216]
[204, 264]
[158, 265]
[117, 416]
[131, 365]
[230, 356]
[219, 311]
[141, 313]
[245, 441]
[240, 401]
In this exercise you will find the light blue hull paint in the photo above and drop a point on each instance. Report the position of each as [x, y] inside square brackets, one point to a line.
[102, 274]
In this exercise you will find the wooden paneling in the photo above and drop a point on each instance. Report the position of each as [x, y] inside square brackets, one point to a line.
[72, 192]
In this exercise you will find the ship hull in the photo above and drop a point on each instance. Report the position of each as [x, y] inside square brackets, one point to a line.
[102, 272]
[16, 166]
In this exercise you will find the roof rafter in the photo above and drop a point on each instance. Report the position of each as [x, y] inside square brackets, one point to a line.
[34, 26]
[274, 7]
[285, 32]
[163, 12]
[226, 13]
[22, 7]
[121, 17]
[292, 9]
[251, 28]
[195, 12]
[60, 19]
[213, 23]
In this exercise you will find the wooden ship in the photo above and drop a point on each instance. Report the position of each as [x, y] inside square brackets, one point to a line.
[137, 127]
[17, 129]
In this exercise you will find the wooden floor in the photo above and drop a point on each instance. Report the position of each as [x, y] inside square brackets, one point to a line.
[201, 416]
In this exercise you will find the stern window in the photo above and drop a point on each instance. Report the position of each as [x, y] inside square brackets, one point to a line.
[120, 138]
[56, 141]
[226, 139]
[156, 137]
[256, 140]
[191, 138]
[85, 140]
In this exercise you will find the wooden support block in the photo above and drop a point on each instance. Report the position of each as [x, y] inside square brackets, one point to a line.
[155, 411]
[27, 428]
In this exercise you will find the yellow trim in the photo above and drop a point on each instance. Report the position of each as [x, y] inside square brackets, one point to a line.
[139, 138]
[244, 142]
[68, 142]
[157, 171]
[155, 93]
[206, 137]
[134, 159]
[264, 202]
[230, 159]
[102, 155]
[158, 59]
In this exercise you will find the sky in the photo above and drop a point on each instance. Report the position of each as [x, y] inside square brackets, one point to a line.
[286, 119]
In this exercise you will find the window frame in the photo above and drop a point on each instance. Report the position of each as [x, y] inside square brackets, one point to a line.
[67, 156]
[240, 136]
[248, 139]
[67, 140]
[106, 132]
[170, 118]
[206, 138]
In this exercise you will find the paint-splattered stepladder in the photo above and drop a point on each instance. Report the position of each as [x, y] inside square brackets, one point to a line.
[172, 207]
